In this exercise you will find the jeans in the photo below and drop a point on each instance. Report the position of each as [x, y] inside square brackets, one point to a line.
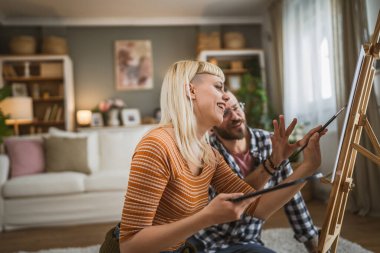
[186, 248]
[233, 248]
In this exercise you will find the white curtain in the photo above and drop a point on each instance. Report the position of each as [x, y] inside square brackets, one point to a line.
[309, 93]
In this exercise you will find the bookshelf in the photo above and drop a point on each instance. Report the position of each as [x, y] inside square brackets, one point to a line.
[48, 80]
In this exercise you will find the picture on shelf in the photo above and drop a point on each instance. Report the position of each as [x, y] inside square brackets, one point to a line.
[19, 90]
[97, 119]
[130, 117]
[134, 65]
[234, 82]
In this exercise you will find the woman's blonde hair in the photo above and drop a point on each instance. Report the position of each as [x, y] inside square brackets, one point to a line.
[177, 109]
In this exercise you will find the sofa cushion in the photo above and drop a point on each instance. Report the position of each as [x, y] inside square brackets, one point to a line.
[66, 154]
[107, 180]
[44, 184]
[116, 148]
[92, 148]
[26, 156]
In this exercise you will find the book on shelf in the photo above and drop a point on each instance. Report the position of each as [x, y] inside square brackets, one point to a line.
[9, 71]
[53, 113]
[58, 117]
[47, 113]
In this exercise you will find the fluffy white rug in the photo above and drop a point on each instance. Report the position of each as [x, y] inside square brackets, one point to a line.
[279, 239]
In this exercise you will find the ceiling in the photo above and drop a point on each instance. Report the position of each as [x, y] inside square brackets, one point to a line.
[131, 12]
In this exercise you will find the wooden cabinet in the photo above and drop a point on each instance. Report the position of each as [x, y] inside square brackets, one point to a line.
[236, 63]
[48, 80]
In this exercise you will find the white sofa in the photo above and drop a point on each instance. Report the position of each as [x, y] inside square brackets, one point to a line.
[69, 197]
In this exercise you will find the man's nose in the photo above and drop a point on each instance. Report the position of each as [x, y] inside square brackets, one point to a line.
[235, 114]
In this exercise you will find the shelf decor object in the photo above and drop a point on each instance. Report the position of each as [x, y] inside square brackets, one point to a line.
[20, 111]
[84, 117]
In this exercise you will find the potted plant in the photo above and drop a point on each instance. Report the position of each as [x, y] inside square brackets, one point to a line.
[253, 94]
[4, 129]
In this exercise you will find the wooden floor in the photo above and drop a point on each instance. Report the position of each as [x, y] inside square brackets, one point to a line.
[362, 230]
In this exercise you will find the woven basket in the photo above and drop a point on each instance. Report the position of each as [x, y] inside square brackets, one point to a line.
[234, 40]
[54, 45]
[22, 45]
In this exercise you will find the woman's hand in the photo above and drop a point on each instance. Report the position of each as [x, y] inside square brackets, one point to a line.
[221, 210]
[281, 148]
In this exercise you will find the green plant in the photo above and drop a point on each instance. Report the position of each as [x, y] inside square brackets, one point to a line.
[4, 129]
[257, 110]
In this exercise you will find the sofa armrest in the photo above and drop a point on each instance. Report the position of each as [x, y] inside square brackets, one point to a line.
[4, 169]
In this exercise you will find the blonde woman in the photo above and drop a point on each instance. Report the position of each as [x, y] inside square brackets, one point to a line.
[174, 165]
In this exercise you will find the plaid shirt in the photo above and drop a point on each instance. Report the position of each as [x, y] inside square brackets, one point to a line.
[248, 228]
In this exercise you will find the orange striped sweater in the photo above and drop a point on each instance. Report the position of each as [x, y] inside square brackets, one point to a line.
[162, 189]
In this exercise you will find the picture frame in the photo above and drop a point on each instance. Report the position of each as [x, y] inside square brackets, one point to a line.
[130, 117]
[133, 65]
[19, 90]
[234, 82]
[97, 119]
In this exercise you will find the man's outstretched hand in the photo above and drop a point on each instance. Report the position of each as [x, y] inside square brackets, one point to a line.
[282, 149]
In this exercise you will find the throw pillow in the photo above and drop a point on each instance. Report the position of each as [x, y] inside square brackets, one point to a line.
[92, 144]
[117, 148]
[66, 154]
[26, 156]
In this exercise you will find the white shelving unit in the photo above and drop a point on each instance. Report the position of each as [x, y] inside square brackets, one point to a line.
[239, 54]
[52, 77]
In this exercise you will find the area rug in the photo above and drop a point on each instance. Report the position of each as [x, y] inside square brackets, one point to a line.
[278, 239]
[281, 240]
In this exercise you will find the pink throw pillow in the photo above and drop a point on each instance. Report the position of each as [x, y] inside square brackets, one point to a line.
[26, 156]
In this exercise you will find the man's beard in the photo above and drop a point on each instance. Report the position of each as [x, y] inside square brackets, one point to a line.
[231, 135]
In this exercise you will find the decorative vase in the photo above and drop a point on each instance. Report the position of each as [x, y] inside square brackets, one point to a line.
[113, 117]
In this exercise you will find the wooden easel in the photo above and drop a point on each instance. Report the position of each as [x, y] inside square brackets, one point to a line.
[357, 120]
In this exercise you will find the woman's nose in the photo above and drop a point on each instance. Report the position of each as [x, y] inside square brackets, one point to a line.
[225, 97]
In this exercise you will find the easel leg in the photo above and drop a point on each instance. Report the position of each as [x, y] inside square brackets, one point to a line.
[334, 246]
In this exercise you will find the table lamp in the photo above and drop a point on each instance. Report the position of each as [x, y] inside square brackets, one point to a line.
[84, 117]
[20, 110]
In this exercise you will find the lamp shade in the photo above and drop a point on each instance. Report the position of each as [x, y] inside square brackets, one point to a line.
[84, 117]
[19, 108]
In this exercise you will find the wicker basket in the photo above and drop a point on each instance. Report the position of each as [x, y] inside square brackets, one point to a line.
[234, 40]
[208, 41]
[22, 45]
[54, 45]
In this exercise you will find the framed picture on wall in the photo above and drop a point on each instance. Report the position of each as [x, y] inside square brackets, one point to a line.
[130, 117]
[133, 64]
